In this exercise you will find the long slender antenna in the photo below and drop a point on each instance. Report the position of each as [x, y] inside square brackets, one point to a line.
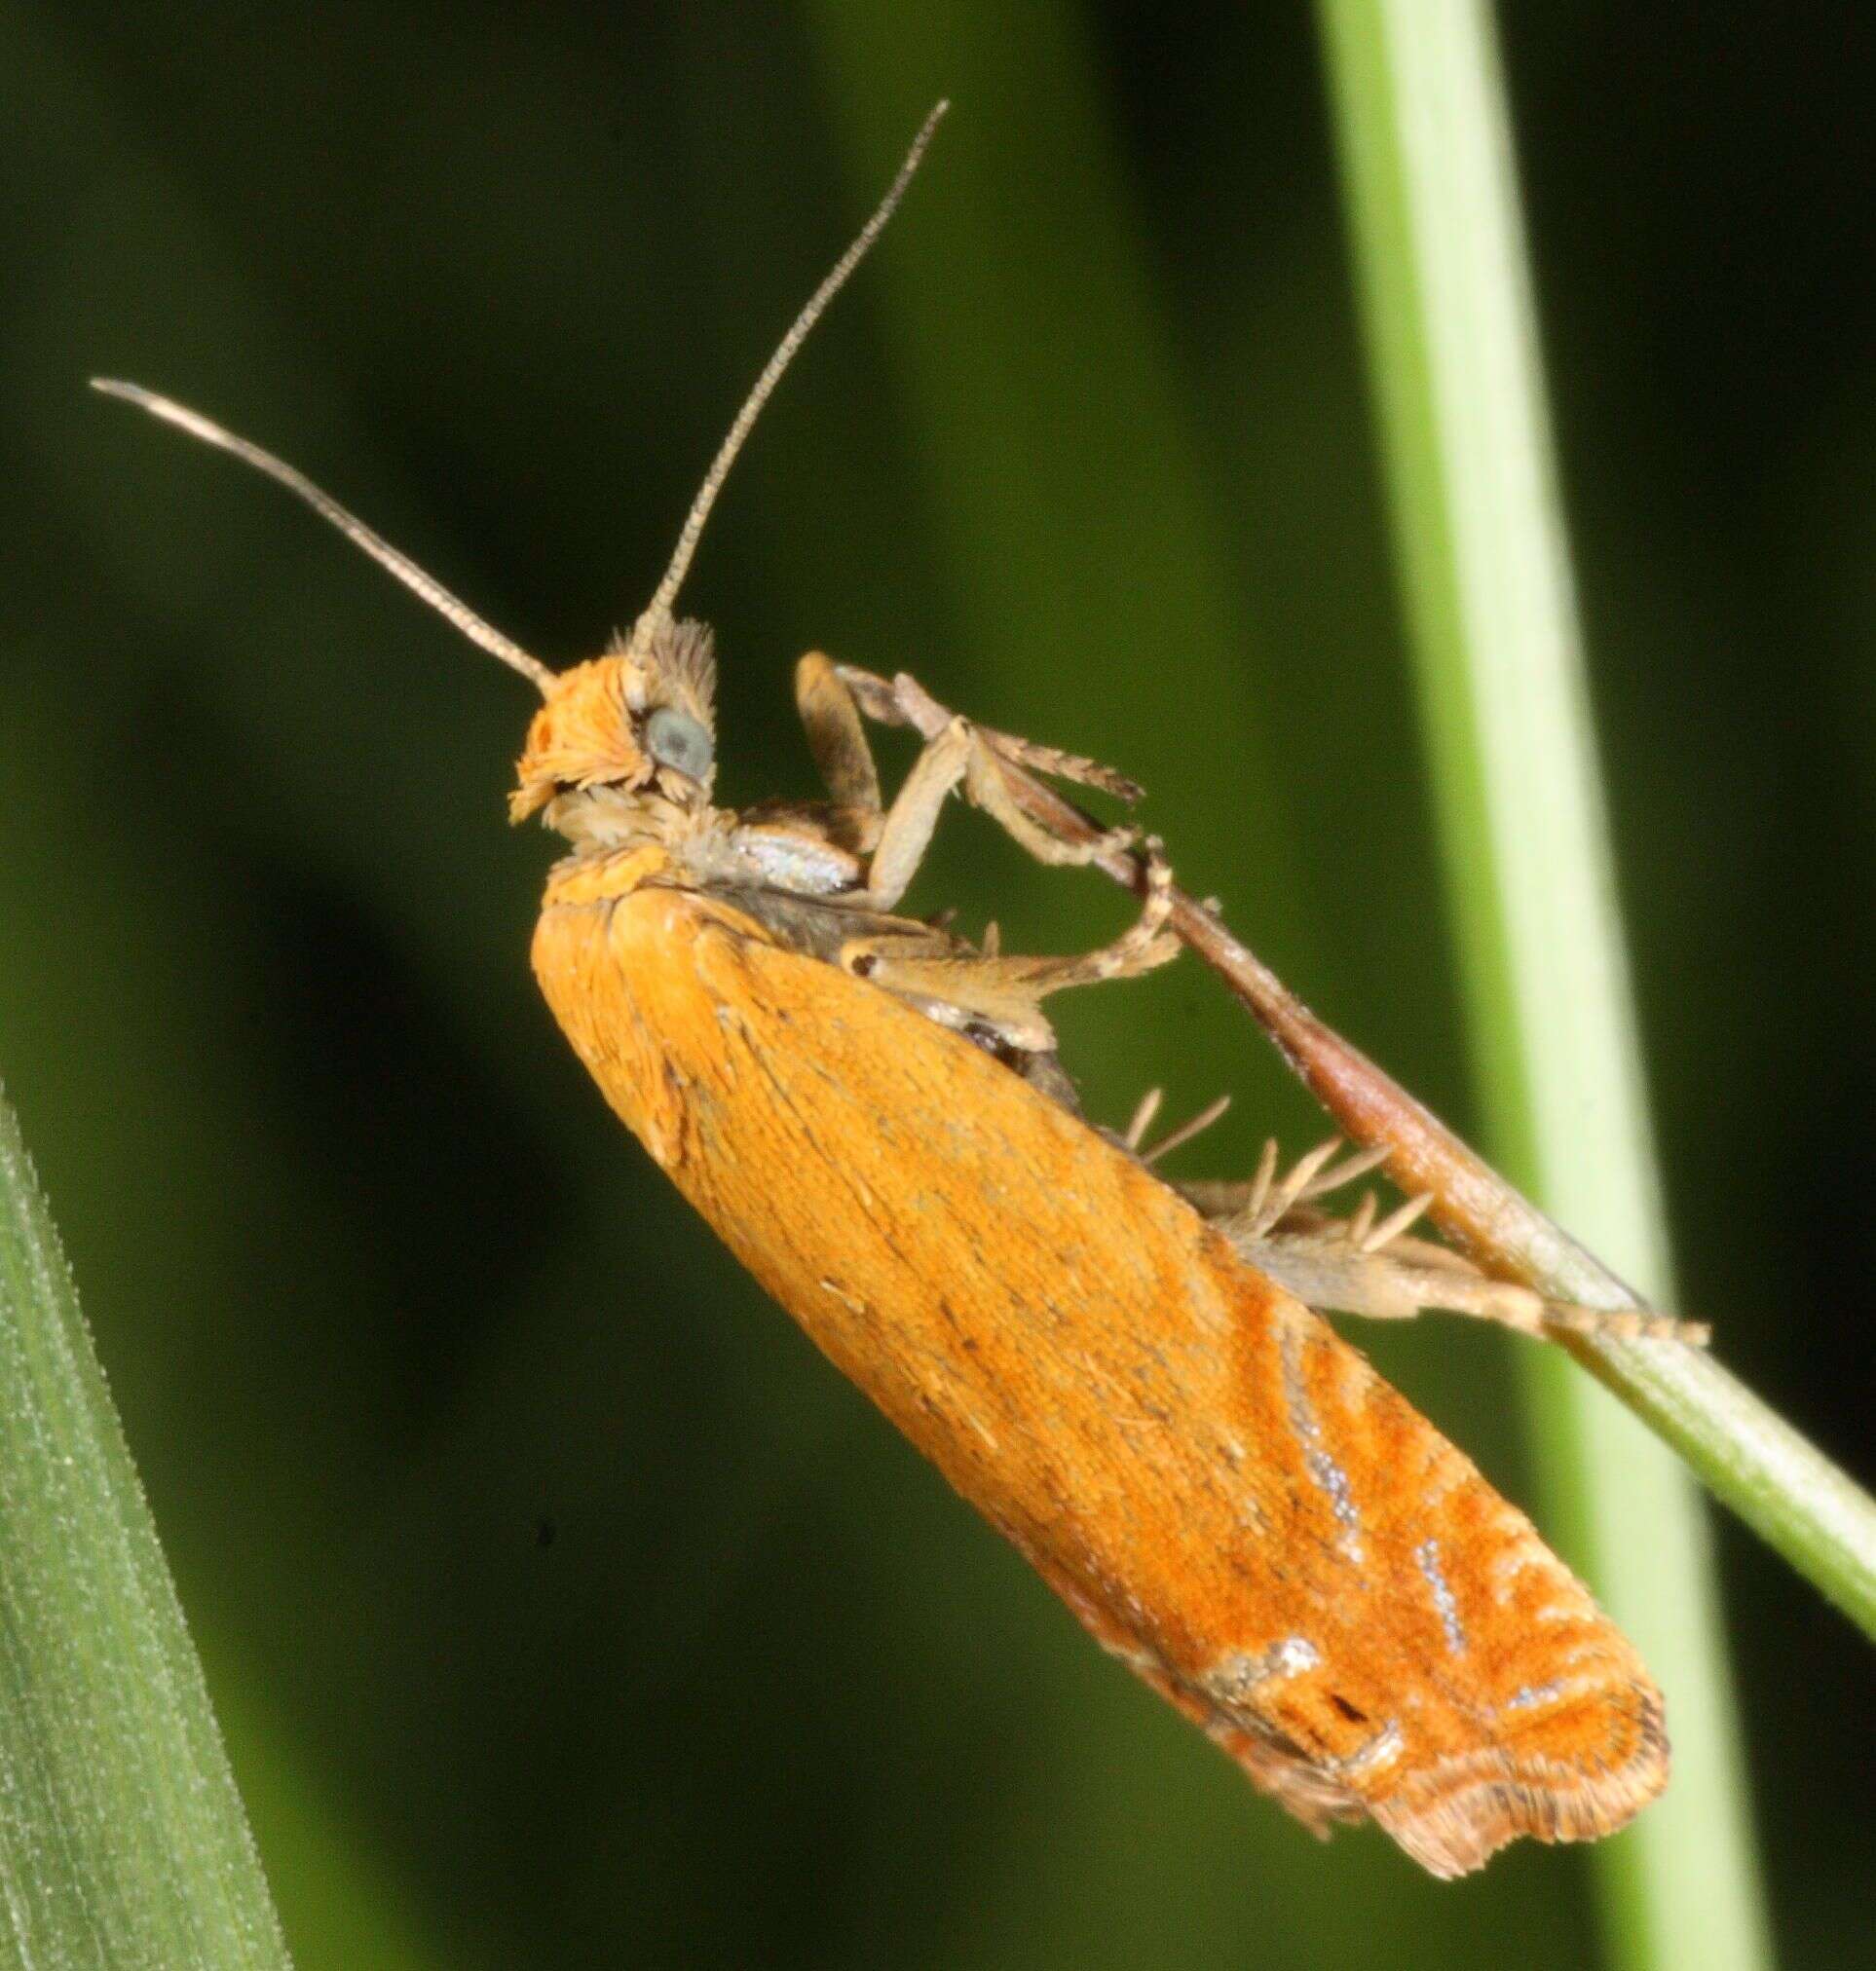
[354, 529]
[658, 610]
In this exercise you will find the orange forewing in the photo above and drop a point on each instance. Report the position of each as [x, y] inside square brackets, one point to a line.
[1223, 1490]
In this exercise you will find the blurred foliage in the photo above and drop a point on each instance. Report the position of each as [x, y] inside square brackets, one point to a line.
[560, 1605]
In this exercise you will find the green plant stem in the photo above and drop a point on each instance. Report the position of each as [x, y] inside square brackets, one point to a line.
[123, 1843]
[1425, 147]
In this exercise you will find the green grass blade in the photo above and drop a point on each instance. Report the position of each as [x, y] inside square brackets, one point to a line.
[1425, 146]
[122, 1838]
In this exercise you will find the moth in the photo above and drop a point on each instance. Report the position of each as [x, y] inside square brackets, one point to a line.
[1131, 1379]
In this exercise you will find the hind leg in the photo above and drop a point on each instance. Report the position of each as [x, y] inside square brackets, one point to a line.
[1369, 1265]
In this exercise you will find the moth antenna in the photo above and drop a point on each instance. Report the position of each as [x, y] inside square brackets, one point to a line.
[354, 529]
[658, 610]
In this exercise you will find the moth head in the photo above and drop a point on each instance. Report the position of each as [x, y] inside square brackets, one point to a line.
[640, 719]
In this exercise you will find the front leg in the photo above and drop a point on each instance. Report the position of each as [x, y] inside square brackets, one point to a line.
[910, 823]
[832, 699]
[894, 840]
[836, 736]
[898, 837]
[904, 701]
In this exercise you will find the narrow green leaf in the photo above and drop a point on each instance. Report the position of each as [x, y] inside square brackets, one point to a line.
[123, 1843]
[1426, 150]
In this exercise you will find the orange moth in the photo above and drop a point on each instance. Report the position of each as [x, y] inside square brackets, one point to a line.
[1129, 1378]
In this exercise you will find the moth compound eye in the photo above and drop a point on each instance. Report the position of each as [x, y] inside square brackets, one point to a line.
[675, 740]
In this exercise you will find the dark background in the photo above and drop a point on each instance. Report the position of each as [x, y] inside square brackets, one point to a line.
[561, 1606]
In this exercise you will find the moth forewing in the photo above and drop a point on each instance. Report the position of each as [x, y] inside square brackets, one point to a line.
[1223, 1490]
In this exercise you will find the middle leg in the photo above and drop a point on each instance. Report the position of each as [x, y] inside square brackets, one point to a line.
[1007, 992]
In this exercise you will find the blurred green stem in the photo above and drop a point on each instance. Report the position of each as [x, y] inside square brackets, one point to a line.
[123, 1843]
[1426, 150]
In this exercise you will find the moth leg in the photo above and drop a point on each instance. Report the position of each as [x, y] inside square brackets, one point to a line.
[1143, 947]
[836, 736]
[829, 715]
[785, 837]
[907, 830]
[904, 702]
[959, 755]
[1369, 1266]
[964, 987]
[899, 837]
[987, 789]
[968, 993]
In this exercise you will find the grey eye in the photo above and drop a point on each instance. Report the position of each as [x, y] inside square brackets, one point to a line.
[676, 739]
